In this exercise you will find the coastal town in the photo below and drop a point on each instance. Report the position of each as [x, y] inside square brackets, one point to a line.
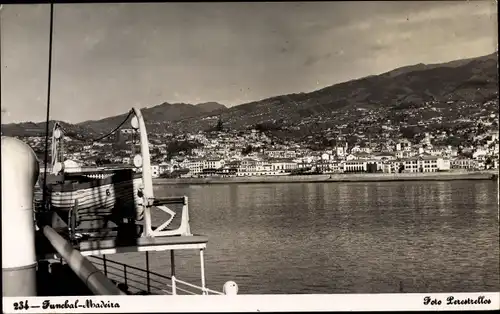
[220, 153]
[397, 131]
[233, 151]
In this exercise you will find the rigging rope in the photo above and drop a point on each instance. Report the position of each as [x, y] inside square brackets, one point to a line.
[115, 129]
[96, 139]
[106, 135]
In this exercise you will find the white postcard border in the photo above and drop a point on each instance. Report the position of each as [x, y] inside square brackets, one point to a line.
[255, 303]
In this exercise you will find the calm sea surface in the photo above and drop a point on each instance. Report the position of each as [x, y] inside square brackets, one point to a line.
[341, 237]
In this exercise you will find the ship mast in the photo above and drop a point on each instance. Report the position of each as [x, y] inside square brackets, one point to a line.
[47, 118]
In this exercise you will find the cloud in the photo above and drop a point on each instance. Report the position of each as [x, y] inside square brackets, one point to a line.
[314, 59]
[431, 13]
[109, 56]
[449, 10]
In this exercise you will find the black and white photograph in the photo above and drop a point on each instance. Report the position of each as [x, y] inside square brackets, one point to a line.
[249, 148]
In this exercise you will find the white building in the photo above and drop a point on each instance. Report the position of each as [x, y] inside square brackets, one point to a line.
[426, 164]
[359, 149]
[406, 154]
[213, 164]
[464, 163]
[341, 151]
[479, 153]
[281, 153]
[351, 157]
[354, 166]
[283, 166]
[195, 167]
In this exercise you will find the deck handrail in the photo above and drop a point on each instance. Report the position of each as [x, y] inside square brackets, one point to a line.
[139, 284]
[129, 266]
[148, 277]
[196, 287]
[128, 279]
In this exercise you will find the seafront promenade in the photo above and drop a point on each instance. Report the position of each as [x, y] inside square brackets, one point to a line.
[362, 177]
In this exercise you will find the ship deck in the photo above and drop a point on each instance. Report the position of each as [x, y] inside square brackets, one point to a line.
[113, 246]
[100, 239]
[113, 243]
[136, 280]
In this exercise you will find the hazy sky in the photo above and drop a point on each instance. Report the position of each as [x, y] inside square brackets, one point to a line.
[110, 57]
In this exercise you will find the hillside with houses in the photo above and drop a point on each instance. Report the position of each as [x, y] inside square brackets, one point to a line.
[422, 118]
[255, 153]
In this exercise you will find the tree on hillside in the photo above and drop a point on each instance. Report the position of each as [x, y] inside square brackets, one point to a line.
[488, 162]
[220, 126]
[401, 168]
[267, 126]
[352, 140]
[453, 141]
[466, 154]
[176, 147]
[155, 151]
[409, 132]
[332, 142]
[247, 150]
[418, 138]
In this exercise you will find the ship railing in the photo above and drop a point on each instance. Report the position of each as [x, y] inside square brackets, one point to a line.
[198, 288]
[136, 280]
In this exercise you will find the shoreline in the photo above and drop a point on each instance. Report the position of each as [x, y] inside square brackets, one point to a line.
[366, 177]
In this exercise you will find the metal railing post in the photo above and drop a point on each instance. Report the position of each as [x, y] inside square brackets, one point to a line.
[125, 273]
[202, 266]
[172, 270]
[174, 286]
[147, 272]
[104, 263]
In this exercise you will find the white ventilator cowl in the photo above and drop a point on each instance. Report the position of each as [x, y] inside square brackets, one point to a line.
[230, 288]
[20, 170]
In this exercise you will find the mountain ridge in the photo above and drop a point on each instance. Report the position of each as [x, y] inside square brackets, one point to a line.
[471, 79]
